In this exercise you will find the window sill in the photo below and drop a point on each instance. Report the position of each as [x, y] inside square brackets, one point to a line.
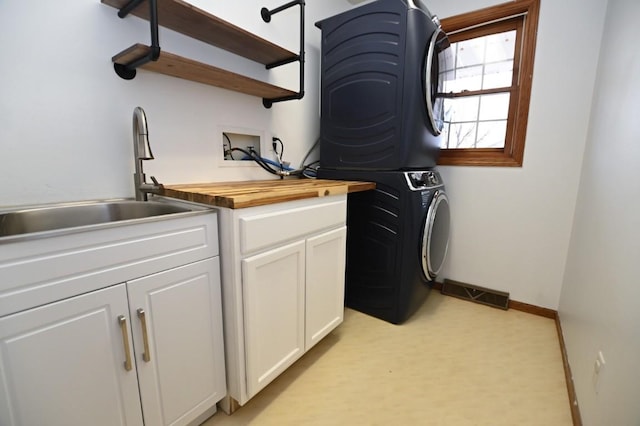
[478, 157]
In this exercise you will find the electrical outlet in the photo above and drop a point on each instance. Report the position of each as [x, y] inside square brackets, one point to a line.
[598, 369]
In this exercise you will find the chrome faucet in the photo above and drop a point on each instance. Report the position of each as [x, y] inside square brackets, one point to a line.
[141, 152]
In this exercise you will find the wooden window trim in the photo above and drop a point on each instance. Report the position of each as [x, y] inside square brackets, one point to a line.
[513, 152]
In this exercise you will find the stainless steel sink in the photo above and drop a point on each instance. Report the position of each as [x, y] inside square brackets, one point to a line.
[81, 215]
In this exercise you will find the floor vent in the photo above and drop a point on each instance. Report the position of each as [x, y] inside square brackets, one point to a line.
[486, 296]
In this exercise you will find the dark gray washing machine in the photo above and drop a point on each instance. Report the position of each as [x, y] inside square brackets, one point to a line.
[382, 77]
[397, 240]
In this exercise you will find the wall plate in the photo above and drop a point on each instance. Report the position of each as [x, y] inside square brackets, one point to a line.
[240, 138]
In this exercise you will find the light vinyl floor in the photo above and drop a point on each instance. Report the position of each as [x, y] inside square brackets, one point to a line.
[452, 363]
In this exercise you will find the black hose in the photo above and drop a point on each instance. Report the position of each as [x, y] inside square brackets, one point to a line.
[257, 159]
[230, 147]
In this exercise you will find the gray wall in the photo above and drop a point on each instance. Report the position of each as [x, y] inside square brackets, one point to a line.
[600, 303]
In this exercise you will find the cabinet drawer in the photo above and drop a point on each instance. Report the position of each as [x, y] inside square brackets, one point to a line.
[269, 227]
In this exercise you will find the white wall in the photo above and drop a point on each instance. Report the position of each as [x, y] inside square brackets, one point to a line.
[65, 116]
[65, 124]
[511, 226]
[600, 303]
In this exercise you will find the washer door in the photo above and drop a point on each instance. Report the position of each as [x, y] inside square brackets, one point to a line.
[435, 237]
[437, 61]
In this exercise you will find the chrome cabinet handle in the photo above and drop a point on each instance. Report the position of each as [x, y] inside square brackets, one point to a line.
[125, 340]
[146, 356]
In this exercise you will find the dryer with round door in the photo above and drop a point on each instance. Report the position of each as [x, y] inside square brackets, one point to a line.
[397, 240]
[383, 71]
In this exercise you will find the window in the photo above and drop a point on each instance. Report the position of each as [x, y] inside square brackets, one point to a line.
[488, 84]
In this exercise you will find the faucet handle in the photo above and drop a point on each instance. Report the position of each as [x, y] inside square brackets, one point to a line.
[157, 186]
[148, 188]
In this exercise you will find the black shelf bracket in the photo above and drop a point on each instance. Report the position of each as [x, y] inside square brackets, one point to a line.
[128, 71]
[266, 17]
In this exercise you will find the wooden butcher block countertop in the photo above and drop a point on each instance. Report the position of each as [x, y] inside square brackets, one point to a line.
[238, 195]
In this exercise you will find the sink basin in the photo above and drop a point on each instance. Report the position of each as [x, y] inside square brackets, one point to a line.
[76, 215]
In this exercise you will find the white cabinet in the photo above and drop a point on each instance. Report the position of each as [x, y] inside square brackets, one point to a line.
[273, 285]
[176, 322]
[63, 364]
[283, 286]
[146, 351]
[325, 256]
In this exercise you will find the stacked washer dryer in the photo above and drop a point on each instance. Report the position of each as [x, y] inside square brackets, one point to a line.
[382, 74]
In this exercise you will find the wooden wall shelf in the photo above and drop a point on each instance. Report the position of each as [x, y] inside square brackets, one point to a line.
[188, 69]
[196, 23]
[201, 25]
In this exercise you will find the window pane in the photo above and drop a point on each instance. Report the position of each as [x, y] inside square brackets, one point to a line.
[485, 113]
[461, 109]
[444, 138]
[467, 78]
[482, 63]
[491, 134]
[498, 74]
[470, 52]
[449, 81]
[449, 65]
[500, 46]
[462, 135]
[494, 107]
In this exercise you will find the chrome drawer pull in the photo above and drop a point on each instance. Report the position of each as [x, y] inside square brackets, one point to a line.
[146, 356]
[125, 340]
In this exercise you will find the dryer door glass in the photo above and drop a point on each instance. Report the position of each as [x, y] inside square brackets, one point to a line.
[438, 61]
[435, 239]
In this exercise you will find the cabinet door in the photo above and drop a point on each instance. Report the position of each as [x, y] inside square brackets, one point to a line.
[273, 292]
[177, 331]
[325, 272]
[62, 364]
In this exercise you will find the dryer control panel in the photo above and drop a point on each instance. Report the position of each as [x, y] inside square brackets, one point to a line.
[423, 179]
